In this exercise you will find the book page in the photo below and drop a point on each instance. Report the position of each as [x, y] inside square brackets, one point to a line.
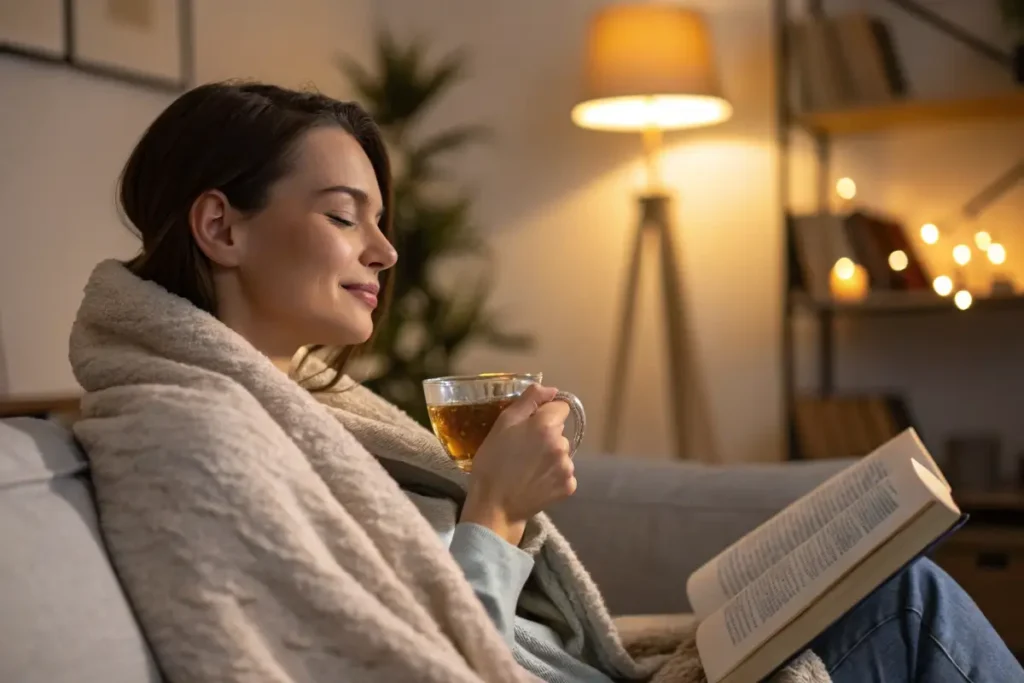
[744, 561]
[773, 599]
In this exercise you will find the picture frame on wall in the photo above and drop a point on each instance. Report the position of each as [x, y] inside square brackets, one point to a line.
[33, 29]
[147, 43]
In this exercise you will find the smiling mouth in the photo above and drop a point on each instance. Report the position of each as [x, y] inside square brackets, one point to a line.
[364, 293]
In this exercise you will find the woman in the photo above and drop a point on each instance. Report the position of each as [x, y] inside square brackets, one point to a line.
[273, 522]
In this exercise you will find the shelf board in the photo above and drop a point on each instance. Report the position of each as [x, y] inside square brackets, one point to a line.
[14, 406]
[881, 303]
[910, 112]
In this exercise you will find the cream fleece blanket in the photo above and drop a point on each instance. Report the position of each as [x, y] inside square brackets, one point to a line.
[259, 540]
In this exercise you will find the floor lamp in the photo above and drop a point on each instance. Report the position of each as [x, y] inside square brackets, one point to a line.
[650, 68]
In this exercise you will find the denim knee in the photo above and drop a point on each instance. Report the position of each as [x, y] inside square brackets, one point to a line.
[924, 583]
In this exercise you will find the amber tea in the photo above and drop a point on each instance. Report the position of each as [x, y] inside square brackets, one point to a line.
[464, 409]
[462, 427]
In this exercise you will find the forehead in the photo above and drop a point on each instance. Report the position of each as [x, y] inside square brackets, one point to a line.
[330, 156]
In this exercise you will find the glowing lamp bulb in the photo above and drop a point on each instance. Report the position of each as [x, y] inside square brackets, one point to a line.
[846, 188]
[982, 240]
[961, 254]
[943, 285]
[844, 268]
[929, 233]
[997, 253]
[963, 299]
[898, 260]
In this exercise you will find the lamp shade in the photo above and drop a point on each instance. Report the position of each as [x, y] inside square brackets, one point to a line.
[649, 66]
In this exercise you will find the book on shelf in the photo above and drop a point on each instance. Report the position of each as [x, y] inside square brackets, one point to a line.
[820, 240]
[846, 60]
[847, 425]
[867, 238]
[762, 600]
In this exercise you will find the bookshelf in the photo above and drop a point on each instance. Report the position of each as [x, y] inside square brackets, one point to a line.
[825, 128]
[910, 112]
[901, 303]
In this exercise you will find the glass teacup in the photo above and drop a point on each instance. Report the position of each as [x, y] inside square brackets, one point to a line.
[463, 410]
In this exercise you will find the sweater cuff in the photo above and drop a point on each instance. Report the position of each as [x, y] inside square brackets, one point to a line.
[496, 569]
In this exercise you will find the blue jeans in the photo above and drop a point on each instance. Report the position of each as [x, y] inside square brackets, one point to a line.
[920, 626]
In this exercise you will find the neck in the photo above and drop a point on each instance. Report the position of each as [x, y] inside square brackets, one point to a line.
[282, 363]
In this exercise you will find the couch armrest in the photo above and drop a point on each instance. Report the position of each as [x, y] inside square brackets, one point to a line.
[641, 527]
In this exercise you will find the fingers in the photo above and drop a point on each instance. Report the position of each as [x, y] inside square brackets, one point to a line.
[570, 486]
[565, 473]
[526, 405]
[553, 414]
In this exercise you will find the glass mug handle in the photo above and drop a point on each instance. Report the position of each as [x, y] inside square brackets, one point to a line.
[579, 419]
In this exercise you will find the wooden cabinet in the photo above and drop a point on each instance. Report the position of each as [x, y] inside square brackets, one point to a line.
[987, 560]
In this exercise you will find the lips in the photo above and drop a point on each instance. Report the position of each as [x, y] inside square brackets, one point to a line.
[365, 292]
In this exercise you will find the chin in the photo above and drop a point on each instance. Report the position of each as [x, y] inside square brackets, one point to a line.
[350, 333]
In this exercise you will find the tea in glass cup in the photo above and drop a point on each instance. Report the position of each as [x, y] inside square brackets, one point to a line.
[463, 409]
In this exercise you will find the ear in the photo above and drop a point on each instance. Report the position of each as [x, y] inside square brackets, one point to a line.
[214, 225]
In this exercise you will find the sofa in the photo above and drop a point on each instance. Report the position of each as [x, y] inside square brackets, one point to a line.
[640, 526]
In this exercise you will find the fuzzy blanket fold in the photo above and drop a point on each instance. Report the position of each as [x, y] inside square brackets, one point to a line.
[261, 531]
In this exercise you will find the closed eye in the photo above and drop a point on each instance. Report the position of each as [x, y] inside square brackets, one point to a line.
[338, 220]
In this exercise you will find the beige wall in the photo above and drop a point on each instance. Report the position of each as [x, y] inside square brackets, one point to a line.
[65, 135]
[556, 203]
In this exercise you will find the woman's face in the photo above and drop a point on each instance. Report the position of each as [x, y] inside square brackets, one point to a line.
[304, 269]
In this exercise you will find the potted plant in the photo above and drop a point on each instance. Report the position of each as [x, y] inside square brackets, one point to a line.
[432, 322]
[1013, 15]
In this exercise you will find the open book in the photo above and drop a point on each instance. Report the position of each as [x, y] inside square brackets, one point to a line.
[767, 596]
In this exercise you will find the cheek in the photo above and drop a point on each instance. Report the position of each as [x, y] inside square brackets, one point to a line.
[298, 249]
[300, 267]
[337, 250]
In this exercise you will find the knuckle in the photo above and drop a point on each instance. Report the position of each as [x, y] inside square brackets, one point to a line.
[553, 441]
[567, 468]
[552, 423]
[570, 486]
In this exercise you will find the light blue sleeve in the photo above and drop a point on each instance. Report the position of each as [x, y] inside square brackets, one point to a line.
[496, 569]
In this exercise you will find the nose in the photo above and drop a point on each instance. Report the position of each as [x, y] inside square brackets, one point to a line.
[379, 254]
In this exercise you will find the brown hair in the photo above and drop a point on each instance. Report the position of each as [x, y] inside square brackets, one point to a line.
[238, 138]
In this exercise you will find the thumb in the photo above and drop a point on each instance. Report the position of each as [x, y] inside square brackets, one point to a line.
[526, 405]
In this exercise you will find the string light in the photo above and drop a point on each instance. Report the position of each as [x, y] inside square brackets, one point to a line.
[844, 268]
[929, 233]
[846, 188]
[898, 260]
[982, 240]
[962, 254]
[997, 253]
[943, 285]
[963, 299]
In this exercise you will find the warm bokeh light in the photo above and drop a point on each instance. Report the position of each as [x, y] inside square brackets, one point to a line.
[844, 268]
[846, 188]
[963, 299]
[982, 240]
[943, 285]
[962, 254]
[898, 260]
[997, 253]
[664, 112]
[929, 233]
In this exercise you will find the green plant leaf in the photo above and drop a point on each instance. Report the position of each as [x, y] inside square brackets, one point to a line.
[421, 161]
[398, 87]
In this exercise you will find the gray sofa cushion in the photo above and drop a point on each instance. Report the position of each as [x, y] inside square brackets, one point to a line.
[642, 526]
[63, 615]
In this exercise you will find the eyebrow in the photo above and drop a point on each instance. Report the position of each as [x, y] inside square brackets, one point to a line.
[360, 196]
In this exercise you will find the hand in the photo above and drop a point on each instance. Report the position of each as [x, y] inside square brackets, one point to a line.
[523, 465]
